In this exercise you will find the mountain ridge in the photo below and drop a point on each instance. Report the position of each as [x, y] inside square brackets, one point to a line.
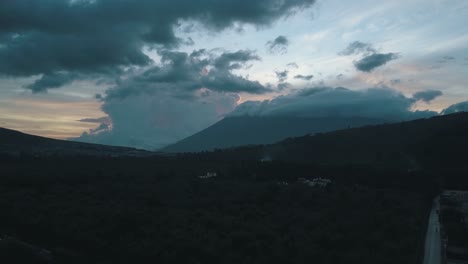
[16, 143]
[250, 130]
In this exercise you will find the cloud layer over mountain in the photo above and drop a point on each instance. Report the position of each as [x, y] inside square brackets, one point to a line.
[380, 103]
[181, 95]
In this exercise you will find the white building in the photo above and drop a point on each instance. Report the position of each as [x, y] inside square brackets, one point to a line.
[208, 175]
[317, 182]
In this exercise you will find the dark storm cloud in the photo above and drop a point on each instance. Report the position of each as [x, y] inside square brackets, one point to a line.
[32, 53]
[370, 62]
[182, 73]
[379, 103]
[282, 75]
[304, 77]
[50, 36]
[278, 46]
[427, 95]
[358, 47]
[227, 82]
[234, 60]
[52, 80]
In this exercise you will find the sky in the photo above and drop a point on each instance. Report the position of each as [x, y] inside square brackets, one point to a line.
[149, 73]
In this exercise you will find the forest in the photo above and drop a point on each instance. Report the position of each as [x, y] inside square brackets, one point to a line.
[157, 209]
[99, 205]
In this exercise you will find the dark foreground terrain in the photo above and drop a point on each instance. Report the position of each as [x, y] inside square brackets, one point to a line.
[260, 207]
[159, 211]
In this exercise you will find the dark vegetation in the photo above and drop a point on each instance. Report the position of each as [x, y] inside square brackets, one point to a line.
[455, 227]
[89, 209]
[157, 210]
[437, 143]
[453, 217]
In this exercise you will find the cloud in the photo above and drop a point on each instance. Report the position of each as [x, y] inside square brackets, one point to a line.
[456, 108]
[358, 47]
[182, 73]
[234, 60]
[304, 77]
[182, 95]
[444, 60]
[52, 80]
[379, 103]
[370, 62]
[227, 82]
[292, 65]
[104, 119]
[106, 36]
[340, 76]
[427, 95]
[282, 75]
[152, 121]
[284, 85]
[395, 81]
[278, 46]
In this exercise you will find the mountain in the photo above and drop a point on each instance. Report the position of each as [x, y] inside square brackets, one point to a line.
[15, 143]
[439, 143]
[247, 130]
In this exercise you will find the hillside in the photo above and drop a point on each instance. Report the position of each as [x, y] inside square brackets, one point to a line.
[437, 143]
[248, 130]
[148, 210]
[15, 143]
[434, 142]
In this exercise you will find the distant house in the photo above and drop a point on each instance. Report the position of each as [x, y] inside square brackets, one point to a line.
[282, 183]
[320, 182]
[208, 175]
[302, 180]
[455, 196]
[456, 200]
[317, 182]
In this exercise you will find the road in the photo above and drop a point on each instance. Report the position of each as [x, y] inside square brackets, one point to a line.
[432, 250]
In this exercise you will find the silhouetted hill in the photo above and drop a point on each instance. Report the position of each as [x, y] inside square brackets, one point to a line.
[15, 143]
[436, 144]
[437, 141]
[248, 130]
